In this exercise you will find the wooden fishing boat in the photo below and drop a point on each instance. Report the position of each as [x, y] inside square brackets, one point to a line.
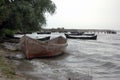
[89, 34]
[11, 39]
[43, 32]
[76, 33]
[82, 34]
[35, 48]
[44, 38]
[94, 37]
[17, 39]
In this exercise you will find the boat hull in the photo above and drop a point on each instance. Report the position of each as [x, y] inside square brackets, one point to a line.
[35, 48]
[45, 38]
[81, 37]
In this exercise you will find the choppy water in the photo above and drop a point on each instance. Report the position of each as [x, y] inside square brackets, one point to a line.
[98, 58]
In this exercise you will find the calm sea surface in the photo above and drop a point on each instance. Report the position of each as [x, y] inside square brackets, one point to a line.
[97, 58]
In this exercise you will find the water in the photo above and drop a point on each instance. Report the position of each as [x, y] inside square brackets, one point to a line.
[102, 56]
[83, 58]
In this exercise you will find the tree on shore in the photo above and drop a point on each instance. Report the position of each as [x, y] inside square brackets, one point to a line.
[24, 15]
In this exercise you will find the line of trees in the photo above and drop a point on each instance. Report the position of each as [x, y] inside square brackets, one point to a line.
[23, 15]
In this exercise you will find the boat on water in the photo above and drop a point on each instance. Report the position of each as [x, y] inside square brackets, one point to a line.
[13, 39]
[76, 33]
[84, 37]
[81, 34]
[89, 34]
[44, 38]
[43, 32]
[33, 48]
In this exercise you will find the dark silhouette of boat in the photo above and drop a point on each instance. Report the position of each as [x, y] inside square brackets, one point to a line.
[44, 38]
[23, 33]
[94, 37]
[76, 33]
[89, 34]
[34, 48]
[43, 32]
[13, 39]
[82, 33]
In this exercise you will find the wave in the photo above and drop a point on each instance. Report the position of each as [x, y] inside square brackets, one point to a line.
[109, 65]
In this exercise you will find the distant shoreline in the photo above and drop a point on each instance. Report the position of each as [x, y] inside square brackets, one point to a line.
[106, 31]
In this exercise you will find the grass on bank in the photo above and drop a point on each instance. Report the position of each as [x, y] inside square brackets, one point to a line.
[6, 69]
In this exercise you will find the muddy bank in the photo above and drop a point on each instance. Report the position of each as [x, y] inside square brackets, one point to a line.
[54, 68]
[7, 67]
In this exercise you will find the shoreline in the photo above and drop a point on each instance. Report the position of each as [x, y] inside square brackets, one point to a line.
[7, 68]
[38, 66]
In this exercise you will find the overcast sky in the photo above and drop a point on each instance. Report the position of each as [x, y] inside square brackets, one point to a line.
[85, 14]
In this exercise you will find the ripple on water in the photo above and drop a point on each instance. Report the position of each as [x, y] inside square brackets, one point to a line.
[109, 65]
[100, 57]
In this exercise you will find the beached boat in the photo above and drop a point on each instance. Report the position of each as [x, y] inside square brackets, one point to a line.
[89, 34]
[76, 33]
[34, 48]
[13, 39]
[44, 38]
[43, 32]
[82, 34]
[81, 37]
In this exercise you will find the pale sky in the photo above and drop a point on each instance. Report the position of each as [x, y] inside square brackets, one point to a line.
[85, 14]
